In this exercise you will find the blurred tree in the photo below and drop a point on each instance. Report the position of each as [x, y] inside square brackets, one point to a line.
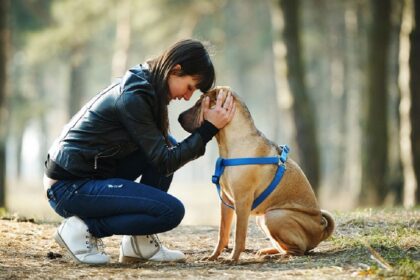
[69, 37]
[75, 29]
[158, 23]
[303, 112]
[325, 33]
[351, 171]
[394, 174]
[78, 76]
[122, 39]
[415, 93]
[27, 97]
[406, 144]
[248, 72]
[284, 129]
[4, 53]
[375, 133]
[337, 100]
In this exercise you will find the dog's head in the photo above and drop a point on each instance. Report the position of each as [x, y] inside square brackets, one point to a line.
[192, 118]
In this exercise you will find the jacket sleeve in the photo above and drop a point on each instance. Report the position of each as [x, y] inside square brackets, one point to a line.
[135, 109]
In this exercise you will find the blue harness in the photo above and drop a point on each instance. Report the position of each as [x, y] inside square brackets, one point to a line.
[221, 163]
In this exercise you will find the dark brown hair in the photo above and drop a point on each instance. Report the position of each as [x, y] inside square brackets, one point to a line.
[195, 61]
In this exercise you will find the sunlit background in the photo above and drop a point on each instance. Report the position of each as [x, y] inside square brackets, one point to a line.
[329, 78]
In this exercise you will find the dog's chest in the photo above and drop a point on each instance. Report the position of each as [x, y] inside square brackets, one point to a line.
[238, 181]
[227, 190]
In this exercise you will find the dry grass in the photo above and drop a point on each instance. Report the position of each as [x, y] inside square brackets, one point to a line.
[27, 251]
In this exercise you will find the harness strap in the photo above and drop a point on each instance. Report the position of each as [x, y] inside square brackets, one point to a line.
[271, 187]
[280, 160]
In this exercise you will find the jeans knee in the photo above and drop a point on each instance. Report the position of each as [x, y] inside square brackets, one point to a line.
[177, 214]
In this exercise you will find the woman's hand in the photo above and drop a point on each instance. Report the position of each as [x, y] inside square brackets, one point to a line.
[222, 113]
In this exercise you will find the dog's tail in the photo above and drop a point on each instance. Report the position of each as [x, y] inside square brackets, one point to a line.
[329, 224]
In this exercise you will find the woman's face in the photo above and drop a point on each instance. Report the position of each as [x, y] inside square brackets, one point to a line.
[181, 87]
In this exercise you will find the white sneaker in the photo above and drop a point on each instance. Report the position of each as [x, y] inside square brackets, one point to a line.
[146, 248]
[74, 236]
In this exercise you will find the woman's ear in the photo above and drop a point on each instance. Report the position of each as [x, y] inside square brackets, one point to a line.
[176, 70]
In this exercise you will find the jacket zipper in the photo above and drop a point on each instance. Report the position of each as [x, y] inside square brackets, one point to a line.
[98, 156]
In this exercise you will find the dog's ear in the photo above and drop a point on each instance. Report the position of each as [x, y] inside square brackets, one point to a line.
[212, 94]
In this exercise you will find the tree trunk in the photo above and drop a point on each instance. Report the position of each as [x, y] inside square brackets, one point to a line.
[4, 46]
[284, 130]
[406, 151]
[122, 40]
[41, 93]
[77, 81]
[375, 155]
[414, 63]
[19, 146]
[335, 101]
[303, 112]
[394, 176]
[352, 169]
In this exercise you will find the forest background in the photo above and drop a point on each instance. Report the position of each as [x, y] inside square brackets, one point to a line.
[338, 81]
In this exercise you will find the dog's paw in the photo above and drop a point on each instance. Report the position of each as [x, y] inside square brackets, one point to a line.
[273, 257]
[267, 251]
[210, 258]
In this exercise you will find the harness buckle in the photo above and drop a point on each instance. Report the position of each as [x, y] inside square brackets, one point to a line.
[283, 155]
[281, 161]
[215, 179]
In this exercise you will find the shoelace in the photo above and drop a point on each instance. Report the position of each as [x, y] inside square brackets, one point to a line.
[154, 239]
[93, 243]
[100, 245]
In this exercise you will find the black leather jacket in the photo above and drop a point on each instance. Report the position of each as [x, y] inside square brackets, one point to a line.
[116, 122]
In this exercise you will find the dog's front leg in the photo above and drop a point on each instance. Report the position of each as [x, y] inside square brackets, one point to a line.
[242, 210]
[226, 218]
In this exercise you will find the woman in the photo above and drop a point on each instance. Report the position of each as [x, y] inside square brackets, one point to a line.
[118, 136]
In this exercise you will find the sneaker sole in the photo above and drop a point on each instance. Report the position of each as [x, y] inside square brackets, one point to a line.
[130, 260]
[63, 244]
[133, 260]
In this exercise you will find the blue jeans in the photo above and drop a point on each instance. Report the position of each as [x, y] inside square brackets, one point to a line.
[120, 205]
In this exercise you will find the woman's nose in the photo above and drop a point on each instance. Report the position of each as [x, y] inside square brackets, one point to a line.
[188, 95]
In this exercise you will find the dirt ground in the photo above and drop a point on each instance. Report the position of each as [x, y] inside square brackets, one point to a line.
[366, 244]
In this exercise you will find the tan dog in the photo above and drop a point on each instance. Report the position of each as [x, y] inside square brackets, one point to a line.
[290, 216]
